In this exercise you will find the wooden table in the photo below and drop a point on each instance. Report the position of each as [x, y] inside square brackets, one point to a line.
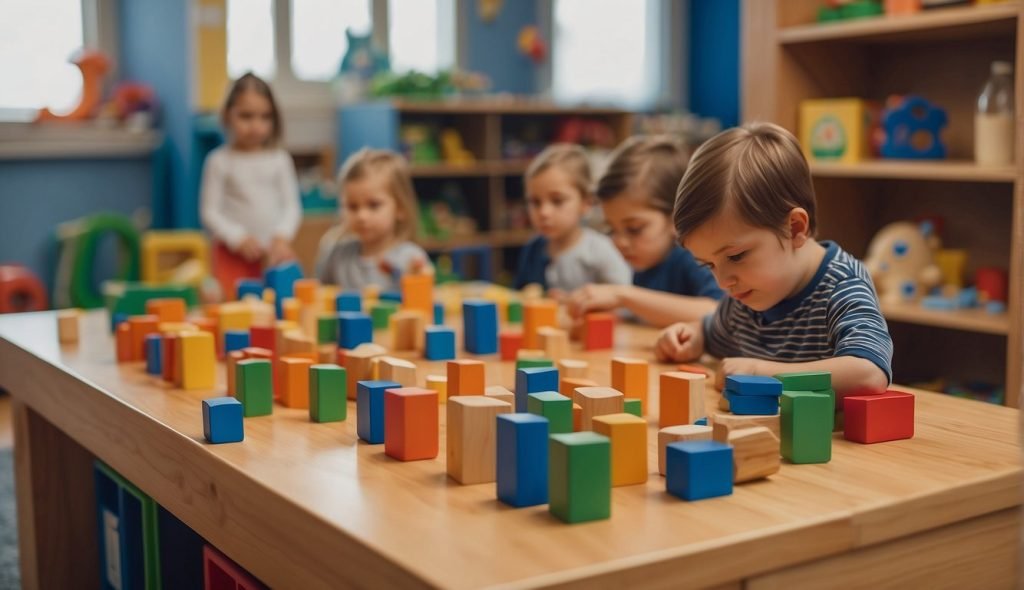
[306, 505]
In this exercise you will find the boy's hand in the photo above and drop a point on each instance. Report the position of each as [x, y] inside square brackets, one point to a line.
[739, 366]
[680, 343]
[280, 251]
[250, 249]
[593, 298]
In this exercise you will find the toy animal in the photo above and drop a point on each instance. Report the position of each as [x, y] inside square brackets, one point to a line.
[901, 262]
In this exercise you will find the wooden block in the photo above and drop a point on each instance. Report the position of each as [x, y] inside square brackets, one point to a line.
[67, 325]
[222, 418]
[806, 427]
[534, 380]
[573, 369]
[629, 376]
[154, 354]
[879, 418]
[471, 437]
[370, 421]
[673, 434]
[327, 296]
[281, 329]
[171, 355]
[577, 417]
[597, 401]
[480, 326]
[557, 408]
[293, 379]
[230, 363]
[168, 309]
[699, 369]
[628, 435]
[580, 476]
[254, 386]
[632, 405]
[554, 342]
[538, 313]
[502, 393]
[567, 386]
[327, 354]
[305, 291]
[358, 363]
[723, 403]
[296, 341]
[598, 331]
[411, 430]
[806, 381]
[755, 453]
[309, 315]
[264, 337]
[522, 459]
[465, 377]
[418, 293]
[698, 469]
[290, 309]
[509, 344]
[724, 423]
[530, 354]
[680, 398]
[233, 316]
[440, 343]
[327, 393]
[439, 383]
[123, 342]
[141, 326]
[398, 370]
[407, 329]
[198, 360]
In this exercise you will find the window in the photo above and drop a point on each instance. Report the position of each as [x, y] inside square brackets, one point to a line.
[318, 38]
[37, 38]
[421, 35]
[607, 51]
[250, 30]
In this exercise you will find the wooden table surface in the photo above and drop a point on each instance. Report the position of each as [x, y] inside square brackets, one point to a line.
[307, 505]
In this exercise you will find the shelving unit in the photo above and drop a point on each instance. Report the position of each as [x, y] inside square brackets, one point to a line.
[943, 55]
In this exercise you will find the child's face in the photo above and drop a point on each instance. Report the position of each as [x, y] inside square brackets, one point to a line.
[250, 120]
[554, 203]
[751, 264]
[643, 234]
[371, 213]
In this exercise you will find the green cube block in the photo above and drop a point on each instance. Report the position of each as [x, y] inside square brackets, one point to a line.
[580, 476]
[381, 314]
[254, 387]
[327, 329]
[806, 425]
[633, 405]
[808, 381]
[515, 312]
[555, 407]
[328, 399]
[532, 363]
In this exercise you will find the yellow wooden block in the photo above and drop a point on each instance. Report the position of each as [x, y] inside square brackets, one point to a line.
[233, 316]
[629, 376]
[628, 434]
[682, 432]
[439, 383]
[67, 325]
[327, 295]
[472, 437]
[597, 401]
[198, 360]
[176, 327]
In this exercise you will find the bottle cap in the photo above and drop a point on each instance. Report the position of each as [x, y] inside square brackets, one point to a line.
[1002, 68]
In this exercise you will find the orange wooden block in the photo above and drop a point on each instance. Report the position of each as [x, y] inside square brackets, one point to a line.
[629, 376]
[680, 398]
[568, 385]
[293, 378]
[306, 290]
[410, 423]
[290, 309]
[699, 369]
[123, 341]
[465, 377]
[168, 309]
[418, 293]
[537, 314]
[141, 326]
[211, 310]
[230, 362]
[577, 417]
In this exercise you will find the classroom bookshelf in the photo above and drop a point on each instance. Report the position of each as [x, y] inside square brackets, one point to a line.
[943, 55]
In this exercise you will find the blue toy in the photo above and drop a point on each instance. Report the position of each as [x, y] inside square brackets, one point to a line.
[440, 343]
[362, 59]
[480, 328]
[154, 354]
[753, 385]
[245, 287]
[354, 328]
[912, 130]
[701, 421]
[222, 420]
[534, 380]
[281, 279]
[395, 296]
[522, 459]
[236, 340]
[349, 301]
[698, 469]
[370, 409]
[752, 405]
[117, 318]
[438, 313]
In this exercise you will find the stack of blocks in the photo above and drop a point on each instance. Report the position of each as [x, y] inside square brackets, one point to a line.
[370, 410]
[579, 476]
[698, 469]
[222, 420]
[752, 395]
[879, 418]
[534, 380]
[411, 428]
[815, 382]
[522, 459]
[480, 326]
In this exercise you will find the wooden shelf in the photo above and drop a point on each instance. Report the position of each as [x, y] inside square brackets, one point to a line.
[475, 169]
[496, 239]
[969, 320]
[940, 170]
[938, 25]
[478, 106]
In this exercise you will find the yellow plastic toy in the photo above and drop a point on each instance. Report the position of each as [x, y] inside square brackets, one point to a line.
[180, 257]
[836, 129]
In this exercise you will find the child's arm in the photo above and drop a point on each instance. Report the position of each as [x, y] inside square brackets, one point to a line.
[850, 375]
[682, 342]
[657, 308]
[211, 209]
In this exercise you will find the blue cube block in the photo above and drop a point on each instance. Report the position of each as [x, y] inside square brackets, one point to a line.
[701, 421]
[440, 343]
[522, 459]
[354, 328]
[438, 313]
[222, 420]
[480, 327]
[395, 296]
[534, 380]
[698, 469]
[349, 301]
[752, 405]
[235, 340]
[370, 409]
[281, 279]
[753, 385]
[154, 354]
[245, 287]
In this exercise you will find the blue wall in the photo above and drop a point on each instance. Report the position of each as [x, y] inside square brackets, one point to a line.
[493, 47]
[714, 52]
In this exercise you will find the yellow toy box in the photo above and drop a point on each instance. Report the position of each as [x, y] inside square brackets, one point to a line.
[837, 129]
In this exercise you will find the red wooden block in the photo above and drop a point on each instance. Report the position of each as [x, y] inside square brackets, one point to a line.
[410, 423]
[509, 343]
[699, 369]
[170, 350]
[263, 337]
[879, 418]
[598, 331]
[340, 357]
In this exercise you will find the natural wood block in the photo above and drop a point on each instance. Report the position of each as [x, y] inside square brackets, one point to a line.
[673, 434]
[281, 328]
[398, 370]
[567, 386]
[530, 353]
[198, 360]
[439, 383]
[230, 362]
[755, 453]
[629, 376]
[471, 437]
[327, 354]
[577, 416]
[407, 329]
[358, 364]
[723, 403]
[554, 342]
[411, 423]
[680, 398]
[502, 393]
[597, 401]
[418, 293]
[296, 341]
[573, 368]
[538, 313]
[293, 381]
[465, 377]
[628, 434]
[67, 325]
[168, 309]
[327, 296]
[724, 423]
[309, 316]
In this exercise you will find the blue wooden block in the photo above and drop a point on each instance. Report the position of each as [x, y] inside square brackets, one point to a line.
[117, 318]
[753, 385]
[235, 340]
[354, 328]
[698, 469]
[154, 354]
[438, 313]
[222, 420]
[395, 296]
[440, 343]
[245, 287]
[480, 328]
[534, 380]
[281, 279]
[522, 460]
[349, 301]
[701, 421]
[752, 405]
[370, 409]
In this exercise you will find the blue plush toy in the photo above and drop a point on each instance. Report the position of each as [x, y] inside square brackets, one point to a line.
[912, 130]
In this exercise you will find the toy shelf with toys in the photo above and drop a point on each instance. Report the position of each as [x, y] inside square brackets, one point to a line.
[916, 75]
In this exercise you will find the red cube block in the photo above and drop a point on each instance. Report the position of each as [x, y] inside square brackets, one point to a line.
[262, 337]
[509, 344]
[598, 331]
[410, 423]
[879, 418]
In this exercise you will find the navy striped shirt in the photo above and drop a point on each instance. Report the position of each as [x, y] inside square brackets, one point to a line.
[836, 314]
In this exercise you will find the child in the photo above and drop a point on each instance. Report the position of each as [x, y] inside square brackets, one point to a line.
[372, 245]
[566, 255]
[250, 196]
[637, 194]
[745, 208]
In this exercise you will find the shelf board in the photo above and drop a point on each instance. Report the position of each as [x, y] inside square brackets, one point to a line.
[969, 320]
[495, 239]
[474, 169]
[938, 25]
[502, 107]
[940, 170]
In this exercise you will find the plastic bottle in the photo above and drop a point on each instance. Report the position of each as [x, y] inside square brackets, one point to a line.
[994, 122]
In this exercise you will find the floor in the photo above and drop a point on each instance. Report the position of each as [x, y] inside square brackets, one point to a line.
[9, 577]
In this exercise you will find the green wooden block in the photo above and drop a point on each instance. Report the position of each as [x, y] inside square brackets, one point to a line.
[808, 381]
[381, 314]
[327, 329]
[328, 399]
[580, 476]
[633, 405]
[555, 407]
[515, 312]
[254, 387]
[806, 425]
[532, 363]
